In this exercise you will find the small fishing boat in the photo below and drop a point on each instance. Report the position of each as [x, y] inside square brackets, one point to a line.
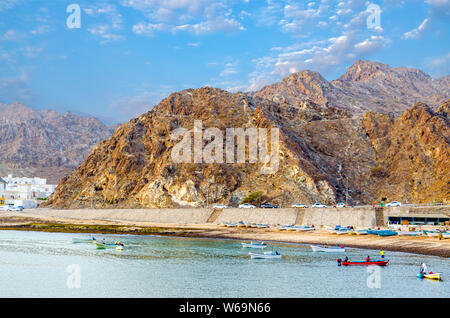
[254, 245]
[377, 262]
[409, 233]
[361, 232]
[431, 275]
[266, 255]
[102, 246]
[387, 233]
[316, 248]
[342, 232]
[304, 228]
[82, 240]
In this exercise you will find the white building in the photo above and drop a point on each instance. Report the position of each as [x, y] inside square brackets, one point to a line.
[24, 191]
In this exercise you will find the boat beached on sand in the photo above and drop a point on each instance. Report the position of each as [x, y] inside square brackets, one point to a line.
[254, 245]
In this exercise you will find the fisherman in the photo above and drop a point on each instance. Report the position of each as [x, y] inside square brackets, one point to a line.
[382, 254]
[368, 259]
[423, 268]
[346, 258]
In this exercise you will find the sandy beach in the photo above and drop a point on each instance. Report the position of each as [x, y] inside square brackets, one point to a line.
[418, 245]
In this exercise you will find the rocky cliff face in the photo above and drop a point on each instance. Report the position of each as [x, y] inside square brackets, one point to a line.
[366, 86]
[45, 143]
[412, 154]
[324, 154]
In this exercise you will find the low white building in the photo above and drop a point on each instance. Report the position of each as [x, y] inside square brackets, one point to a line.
[26, 192]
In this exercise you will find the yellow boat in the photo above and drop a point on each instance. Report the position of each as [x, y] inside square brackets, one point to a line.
[434, 276]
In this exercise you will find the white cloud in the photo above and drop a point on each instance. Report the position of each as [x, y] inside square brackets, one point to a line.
[195, 16]
[148, 29]
[321, 56]
[110, 24]
[416, 33]
[40, 29]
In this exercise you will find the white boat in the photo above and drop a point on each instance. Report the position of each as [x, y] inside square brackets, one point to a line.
[254, 245]
[266, 255]
[362, 232]
[433, 234]
[304, 228]
[262, 225]
[82, 240]
[342, 232]
[316, 248]
[409, 233]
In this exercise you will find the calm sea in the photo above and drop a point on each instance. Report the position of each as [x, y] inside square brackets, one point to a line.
[39, 264]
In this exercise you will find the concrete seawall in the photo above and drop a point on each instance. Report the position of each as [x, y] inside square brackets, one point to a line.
[358, 216]
[174, 216]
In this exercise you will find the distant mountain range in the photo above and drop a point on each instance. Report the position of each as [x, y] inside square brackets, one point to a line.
[366, 137]
[45, 143]
[366, 86]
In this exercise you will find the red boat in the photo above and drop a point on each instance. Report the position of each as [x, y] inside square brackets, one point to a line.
[378, 262]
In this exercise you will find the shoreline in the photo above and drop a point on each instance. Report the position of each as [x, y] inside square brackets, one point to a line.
[416, 245]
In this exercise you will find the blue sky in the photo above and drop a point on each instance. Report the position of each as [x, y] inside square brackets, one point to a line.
[129, 54]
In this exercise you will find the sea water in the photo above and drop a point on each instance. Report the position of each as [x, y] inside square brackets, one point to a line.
[42, 264]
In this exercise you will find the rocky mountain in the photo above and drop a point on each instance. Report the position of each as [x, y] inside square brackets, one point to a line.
[366, 86]
[45, 143]
[325, 154]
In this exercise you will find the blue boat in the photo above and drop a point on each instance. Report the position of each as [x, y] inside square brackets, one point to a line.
[387, 233]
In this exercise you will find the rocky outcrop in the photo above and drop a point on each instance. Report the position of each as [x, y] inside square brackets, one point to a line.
[45, 143]
[412, 154]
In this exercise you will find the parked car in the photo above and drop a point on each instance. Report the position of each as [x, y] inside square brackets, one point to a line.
[246, 206]
[220, 206]
[394, 203]
[269, 206]
[299, 205]
[340, 205]
[16, 208]
[3, 208]
[318, 205]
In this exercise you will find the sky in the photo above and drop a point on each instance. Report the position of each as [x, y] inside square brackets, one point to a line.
[117, 59]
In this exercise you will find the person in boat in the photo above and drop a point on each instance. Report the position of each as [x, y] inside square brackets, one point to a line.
[423, 268]
[368, 259]
[104, 241]
[346, 259]
[277, 253]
